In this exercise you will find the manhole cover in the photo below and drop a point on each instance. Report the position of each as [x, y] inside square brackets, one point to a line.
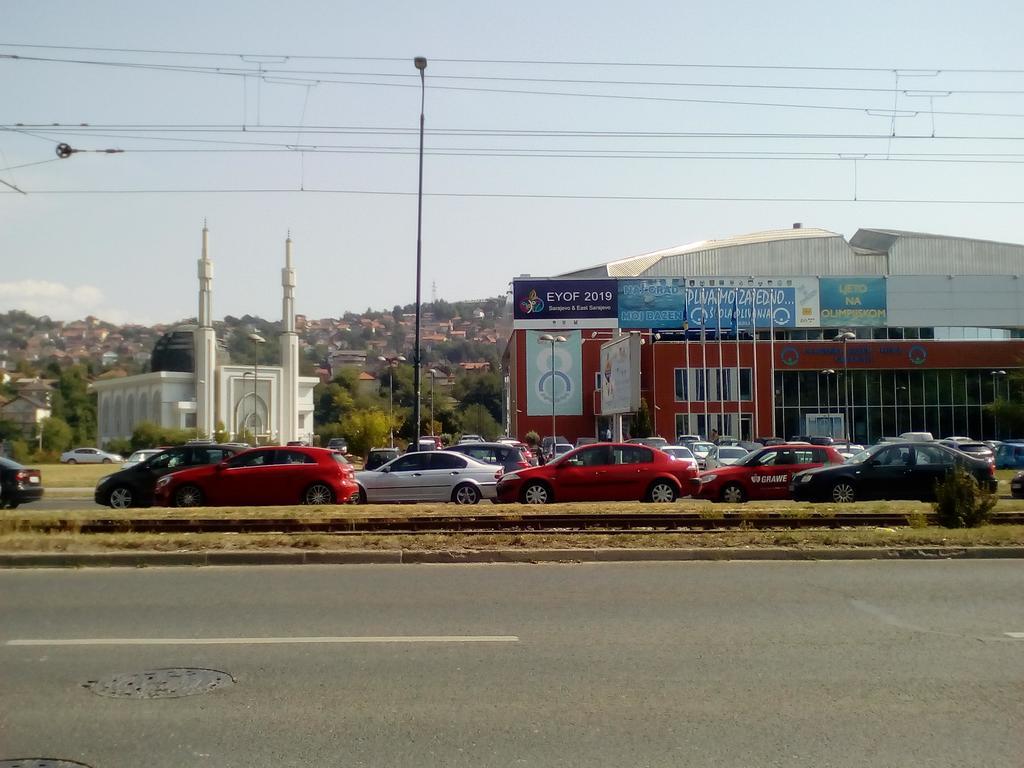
[40, 762]
[160, 683]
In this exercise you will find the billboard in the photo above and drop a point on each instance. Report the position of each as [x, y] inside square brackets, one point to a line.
[565, 303]
[852, 302]
[554, 374]
[652, 303]
[737, 302]
[620, 375]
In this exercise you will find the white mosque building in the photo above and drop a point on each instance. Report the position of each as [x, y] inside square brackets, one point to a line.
[188, 388]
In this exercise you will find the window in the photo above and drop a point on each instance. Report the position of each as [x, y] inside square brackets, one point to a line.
[682, 384]
[446, 460]
[486, 455]
[294, 457]
[929, 454]
[209, 455]
[768, 458]
[252, 459]
[168, 459]
[411, 462]
[633, 454]
[896, 455]
[594, 457]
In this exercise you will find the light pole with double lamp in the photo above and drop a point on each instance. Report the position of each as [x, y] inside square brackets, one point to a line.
[553, 340]
[996, 375]
[828, 397]
[845, 337]
[256, 339]
[421, 64]
[392, 363]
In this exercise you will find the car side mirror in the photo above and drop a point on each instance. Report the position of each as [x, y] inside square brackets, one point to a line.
[385, 470]
[873, 463]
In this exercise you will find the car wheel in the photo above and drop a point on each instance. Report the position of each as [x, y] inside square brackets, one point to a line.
[188, 496]
[362, 496]
[661, 492]
[120, 497]
[13, 504]
[537, 493]
[733, 493]
[318, 493]
[844, 492]
[107, 461]
[71, 461]
[466, 494]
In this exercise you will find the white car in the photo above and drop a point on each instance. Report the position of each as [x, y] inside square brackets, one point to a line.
[140, 456]
[429, 476]
[89, 456]
[681, 453]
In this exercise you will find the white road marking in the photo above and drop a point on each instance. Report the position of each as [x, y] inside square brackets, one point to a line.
[1015, 635]
[266, 640]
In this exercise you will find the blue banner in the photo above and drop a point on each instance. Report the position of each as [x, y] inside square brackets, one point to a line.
[852, 301]
[554, 374]
[731, 308]
[652, 303]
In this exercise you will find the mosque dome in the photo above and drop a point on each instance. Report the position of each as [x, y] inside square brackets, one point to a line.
[175, 351]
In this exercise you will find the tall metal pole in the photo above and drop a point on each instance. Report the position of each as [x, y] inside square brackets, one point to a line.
[421, 64]
[846, 336]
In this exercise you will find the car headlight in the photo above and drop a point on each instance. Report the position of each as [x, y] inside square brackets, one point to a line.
[163, 481]
[103, 480]
[708, 478]
[806, 478]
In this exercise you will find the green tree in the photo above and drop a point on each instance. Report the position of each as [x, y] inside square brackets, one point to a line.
[480, 388]
[477, 419]
[364, 429]
[150, 435]
[641, 424]
[57, 434]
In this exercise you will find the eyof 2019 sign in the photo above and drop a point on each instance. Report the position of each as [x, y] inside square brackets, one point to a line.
[565, 303]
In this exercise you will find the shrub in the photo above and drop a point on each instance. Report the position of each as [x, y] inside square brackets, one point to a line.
[19, 451]
[119, 445]
[960, 502]
[532, 439]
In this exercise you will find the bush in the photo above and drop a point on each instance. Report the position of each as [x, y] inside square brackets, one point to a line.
[532, 439]
[119, 445]
[20, 451]
[150, 435]
[960, 502]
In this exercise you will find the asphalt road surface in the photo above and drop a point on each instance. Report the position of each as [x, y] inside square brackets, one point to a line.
[666, 664]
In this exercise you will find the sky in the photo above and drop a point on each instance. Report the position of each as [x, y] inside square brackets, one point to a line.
[559, 135]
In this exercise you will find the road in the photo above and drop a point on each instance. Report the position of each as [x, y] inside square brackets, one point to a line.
[662, 664]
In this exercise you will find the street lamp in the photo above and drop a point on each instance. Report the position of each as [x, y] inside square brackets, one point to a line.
[995, 413]
[844, 337]
[420, 63]
[828, 397]
[553, 340]
[392, 363]
[433, 375]
[256, 339]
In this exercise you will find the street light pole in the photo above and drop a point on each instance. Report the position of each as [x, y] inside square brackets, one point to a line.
[995, 414]
[844, 337]
[828, 397]
[420, 63]
[392, 363]
[553, 340]
[433, 375]
[256, 339]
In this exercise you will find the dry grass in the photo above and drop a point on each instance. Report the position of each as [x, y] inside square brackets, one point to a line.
[1003, 535]
[74, 475]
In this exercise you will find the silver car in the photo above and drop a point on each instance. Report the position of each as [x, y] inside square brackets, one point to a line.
[89, 456]
[140, 456]
[681, 453]
[725, 456]
[429, 476]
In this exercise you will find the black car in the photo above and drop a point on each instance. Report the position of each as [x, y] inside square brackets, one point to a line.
[511, 457]
[18, 484]
[905, 470]
[1017, 486]
[133, 487]
[378, 457]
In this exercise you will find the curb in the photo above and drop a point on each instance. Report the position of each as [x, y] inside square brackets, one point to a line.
[412, 557]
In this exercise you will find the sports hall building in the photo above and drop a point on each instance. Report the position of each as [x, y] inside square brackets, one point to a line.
[779, 333]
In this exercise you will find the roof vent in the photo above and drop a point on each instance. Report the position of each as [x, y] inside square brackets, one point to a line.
[797, 225]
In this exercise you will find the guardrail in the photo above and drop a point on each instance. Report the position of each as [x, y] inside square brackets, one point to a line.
[690, 522]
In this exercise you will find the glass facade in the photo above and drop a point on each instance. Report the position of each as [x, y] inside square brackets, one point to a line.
[885, 403]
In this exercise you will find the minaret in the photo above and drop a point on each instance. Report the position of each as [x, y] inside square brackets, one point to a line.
[205, 344]
[289, 417]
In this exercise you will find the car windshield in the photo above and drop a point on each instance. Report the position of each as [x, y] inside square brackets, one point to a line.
[859, 458]
[9, 463]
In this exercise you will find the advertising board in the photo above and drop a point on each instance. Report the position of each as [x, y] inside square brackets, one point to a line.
[852, 302]
[620, 375]
[554, 375]
[565, 303]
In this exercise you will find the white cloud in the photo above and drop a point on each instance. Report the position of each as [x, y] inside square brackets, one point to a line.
[59, 301]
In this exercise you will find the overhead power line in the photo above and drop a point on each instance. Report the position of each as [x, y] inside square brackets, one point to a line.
[524, 62]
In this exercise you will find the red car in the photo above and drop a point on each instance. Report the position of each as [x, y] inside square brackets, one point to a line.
[268, 475]
[762, 474]
[600, 472]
